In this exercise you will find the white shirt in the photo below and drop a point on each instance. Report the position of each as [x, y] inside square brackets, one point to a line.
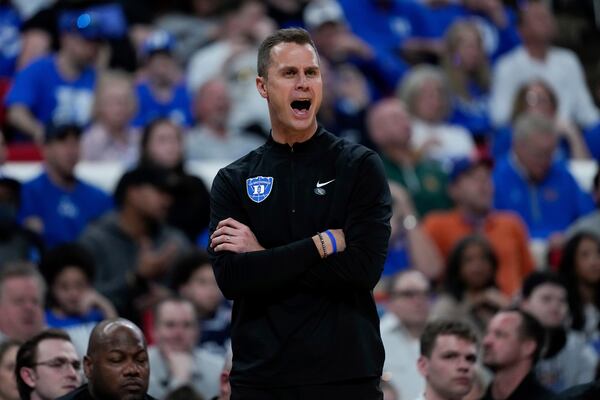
[560, 69]
[454, 141]
[401, 355]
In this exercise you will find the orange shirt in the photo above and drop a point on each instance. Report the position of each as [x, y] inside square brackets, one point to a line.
[504, 230]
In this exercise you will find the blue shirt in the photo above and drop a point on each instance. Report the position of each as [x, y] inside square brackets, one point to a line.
[64, 213]
[54, 321]
[150, 108]
[472, 114]
[592, 139]
[10, 40]
[547, 207]
[50, 97]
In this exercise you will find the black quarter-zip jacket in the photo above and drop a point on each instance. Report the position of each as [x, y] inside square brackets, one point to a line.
[299, 319]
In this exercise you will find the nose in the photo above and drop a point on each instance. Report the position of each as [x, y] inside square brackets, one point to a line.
[302, 82]
[131, 369]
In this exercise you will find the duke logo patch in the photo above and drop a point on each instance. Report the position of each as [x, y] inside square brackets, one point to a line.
[259, 188]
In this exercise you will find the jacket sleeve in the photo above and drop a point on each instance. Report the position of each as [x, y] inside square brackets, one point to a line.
[367, 231]
[240, 274]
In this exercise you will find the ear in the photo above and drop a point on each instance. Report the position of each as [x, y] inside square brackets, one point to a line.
[28, 376]
[528, 347]
[261, 85]
[87, 366]
[423, 365]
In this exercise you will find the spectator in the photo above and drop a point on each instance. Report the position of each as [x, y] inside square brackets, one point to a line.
[579, 269]
[529, 182]
[22, 291]
[47, 366]
[116, 365]
[161, 93]
[425, 92]
[470, 292]
[391, 129]
[567, 360]
[72, 303]
[162, 147]
[57, 88]
[472, 190]
[590, 222]
[69, 203]
[213, 138]
[401, 327]
[175, 359]
[8, 382]
[132, 247]
[467, 71]
[193, 279]
[110, 137]
[511, 348]
[537, 58]
[537, 97]
[16, 242]
[10, 46]
[447, 360]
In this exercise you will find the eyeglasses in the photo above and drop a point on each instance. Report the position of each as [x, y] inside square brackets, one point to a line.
[60, 363]
[411, 294]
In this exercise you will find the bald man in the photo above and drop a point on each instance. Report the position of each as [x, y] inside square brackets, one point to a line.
[116, 364]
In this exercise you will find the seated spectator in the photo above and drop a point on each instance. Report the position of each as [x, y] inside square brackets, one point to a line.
[22, 291]
[57, 88]
[512, 346]
[162, 147]
[425, 93]
[568, 359]
[409, 245]
[472, 190]
[133, 248]
[391, 129]
[213, 138]
[579, 269]
[8, 381]
[111, 137]
[193, 279]
[72, 303]
[591, 221]
[401, 327]
[10, 45]
[470, 292]
[467, 72]
[538, 59]
[537, 97]
[69, 203]
[161, 93]
[16, 242]
[530, 182]
[47, 366]
[175, 359]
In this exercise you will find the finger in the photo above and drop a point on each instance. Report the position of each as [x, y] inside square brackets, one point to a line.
[225, 230]
[226, 247]
[227, 222]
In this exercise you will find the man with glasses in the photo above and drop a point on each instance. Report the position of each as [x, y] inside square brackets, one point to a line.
[47, 366]
[401, 329]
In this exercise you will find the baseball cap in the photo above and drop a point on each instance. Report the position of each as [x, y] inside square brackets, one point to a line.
[157, 42]
[466, 164]
[319, 12]
[84, 23]
[58, 131]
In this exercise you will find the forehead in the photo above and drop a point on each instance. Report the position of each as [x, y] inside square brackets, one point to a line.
[549, 289]
[123, 339]
[445, 343]
[412, 281]
[293, 54]
[21, 285]
[506, 322]
[176, 311]
[50, 348]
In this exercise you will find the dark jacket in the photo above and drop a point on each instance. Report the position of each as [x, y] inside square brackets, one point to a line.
[529, 389]
[82, 393]
[298, 319]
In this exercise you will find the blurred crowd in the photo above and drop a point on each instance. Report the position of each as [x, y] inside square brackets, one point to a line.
[478, 109]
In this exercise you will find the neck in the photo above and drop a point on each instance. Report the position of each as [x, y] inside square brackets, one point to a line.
[401, 155]
[290, 138]
[431, 394]
[414, 330]
[67, 67]
[588, 293]
[132, 224]
[506, 380]
[537, 50]
[60, 180]
[473, 216]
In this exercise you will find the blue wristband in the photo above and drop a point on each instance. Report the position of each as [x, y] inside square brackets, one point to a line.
[332, 240]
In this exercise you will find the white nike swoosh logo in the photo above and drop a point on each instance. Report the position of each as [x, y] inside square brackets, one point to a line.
[319, 184]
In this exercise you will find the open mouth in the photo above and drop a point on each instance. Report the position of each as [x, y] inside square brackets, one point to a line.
[300, 106]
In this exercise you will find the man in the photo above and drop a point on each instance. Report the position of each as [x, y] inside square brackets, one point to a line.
[536, 59]
[530, 182]
[511, 347]
[590, 222]
[472, 189]
[47, 366]
[175, 359]
[22, 292]
[133, 247]
[568, 360]
[69, 203]
[58, 88]
[447, 360]
[295, 291]
[116, 365]
[401, 327]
